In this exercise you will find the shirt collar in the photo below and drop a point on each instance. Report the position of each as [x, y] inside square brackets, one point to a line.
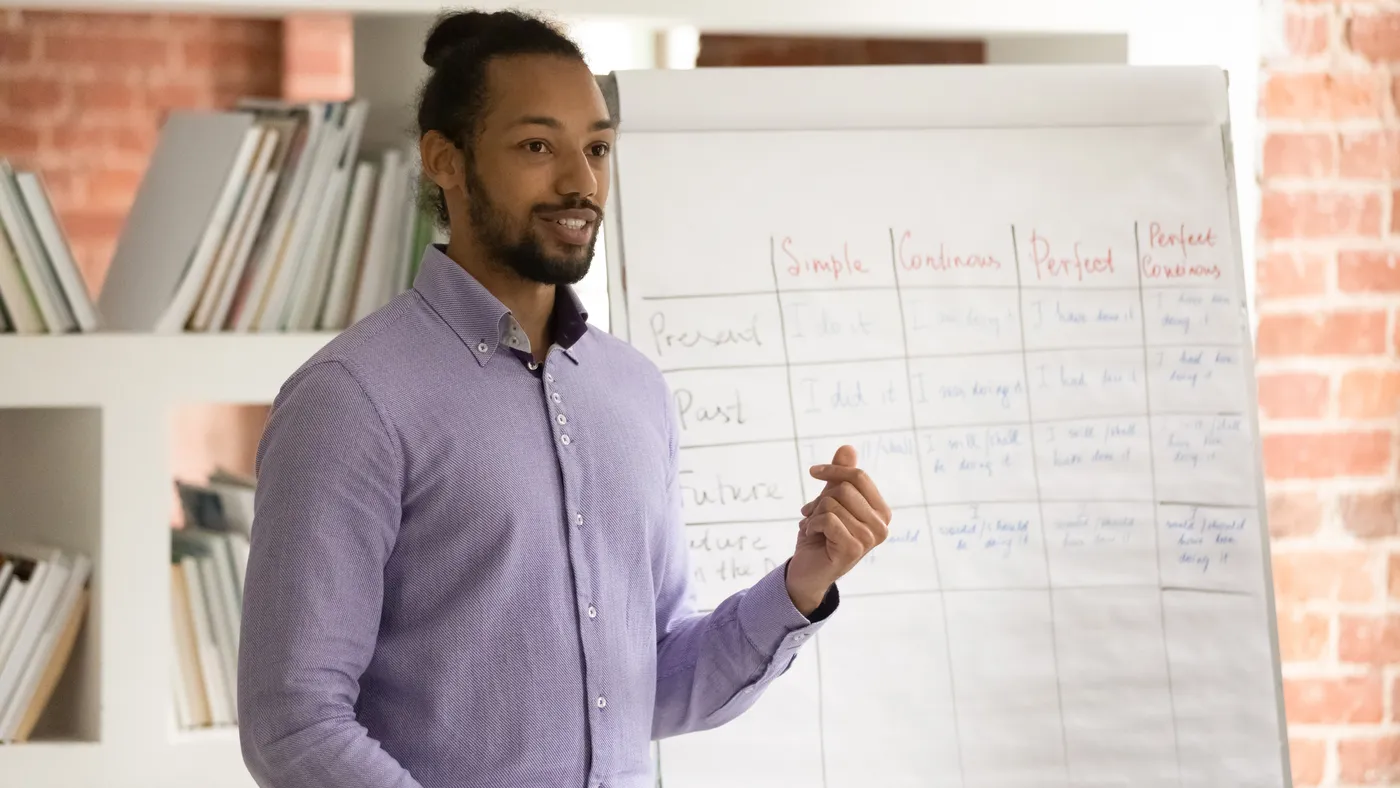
[478, 318]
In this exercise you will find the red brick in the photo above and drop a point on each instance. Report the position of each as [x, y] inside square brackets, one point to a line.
[1308, 758]
[1373, 155]
[1334, 701]
[18, 139]
[86, 225]
[33, 98]
[1325, 214]
[1289, 155]
[1329, 576]
[1373, 640]
[1370, 394]
[94, 144]
[113, 187]
[1325, 96]
[1293, 395]
[1288, 274]
[108, 51]
[1293, 514]
[1368, 271]
[15, 49]
[1375, 36]
[1369, 515]
[1359, 332]
[1369, 761]
[107, 95]
[1308, 32]
[1302, 637]
[1325, 455]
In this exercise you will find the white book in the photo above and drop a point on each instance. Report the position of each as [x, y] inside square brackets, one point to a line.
[182, 302]
[218, 319]
[75, 580]
[236, 240]
[349, 251]
[43, 283]
[46, 599]
[310, 290]
[220, 710]
[272, 254]
[378, 268]
[19, 299]
[56, 249]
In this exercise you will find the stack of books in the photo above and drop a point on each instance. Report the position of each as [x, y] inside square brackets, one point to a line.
[208, 562]
[41, 289]
[266, 217]
[43, 602]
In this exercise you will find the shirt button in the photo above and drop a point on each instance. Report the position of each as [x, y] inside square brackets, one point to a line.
[548, 378]
[560, 418]
[602, 701]
[554, 396]
[482, 347]
[564, 439]
[578, 518]
[592, 612]
[534, 365]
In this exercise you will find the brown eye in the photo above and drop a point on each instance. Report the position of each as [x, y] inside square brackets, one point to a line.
[536, 146]
[600, 149]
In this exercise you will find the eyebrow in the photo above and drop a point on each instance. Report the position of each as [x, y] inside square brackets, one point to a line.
[542, 120]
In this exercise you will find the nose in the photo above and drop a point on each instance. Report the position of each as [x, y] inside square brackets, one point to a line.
[576, 176]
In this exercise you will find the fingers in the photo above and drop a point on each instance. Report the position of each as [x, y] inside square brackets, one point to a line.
[834, 475]
[846, 456]
[840, 541]
[868, 533]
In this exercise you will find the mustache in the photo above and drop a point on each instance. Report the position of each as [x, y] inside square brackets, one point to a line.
[570, 204]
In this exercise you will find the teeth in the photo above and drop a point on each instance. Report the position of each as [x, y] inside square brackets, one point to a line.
[574, 224]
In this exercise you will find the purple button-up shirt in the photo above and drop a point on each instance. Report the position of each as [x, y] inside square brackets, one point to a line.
[468, 573]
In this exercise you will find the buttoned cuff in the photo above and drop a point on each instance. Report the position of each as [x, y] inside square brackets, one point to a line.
[770, 620]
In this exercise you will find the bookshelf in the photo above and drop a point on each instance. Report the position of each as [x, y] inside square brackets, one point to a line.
[87, 420]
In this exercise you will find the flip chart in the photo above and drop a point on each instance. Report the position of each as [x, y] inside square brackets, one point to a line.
[1018, 293]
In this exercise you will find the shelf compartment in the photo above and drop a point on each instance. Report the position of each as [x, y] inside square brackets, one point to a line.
[51, 495]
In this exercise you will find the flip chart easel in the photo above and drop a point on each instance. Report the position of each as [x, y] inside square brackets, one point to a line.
[1018, 292]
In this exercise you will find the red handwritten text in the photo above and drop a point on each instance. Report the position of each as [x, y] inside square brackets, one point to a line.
[1179, 243]
[1078, 264]
[802, 264]
[941, 260]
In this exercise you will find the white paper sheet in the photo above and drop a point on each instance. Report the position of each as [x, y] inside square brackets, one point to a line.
[1051, 391]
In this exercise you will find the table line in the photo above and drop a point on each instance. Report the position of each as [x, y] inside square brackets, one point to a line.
[960, 354]
[915, 287]
[1157, 543]
[970, 426]
[991, 502]
[1040, 507]
[923, 490]
[797, 455]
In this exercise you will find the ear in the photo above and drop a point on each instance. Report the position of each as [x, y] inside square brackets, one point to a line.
[442, 161]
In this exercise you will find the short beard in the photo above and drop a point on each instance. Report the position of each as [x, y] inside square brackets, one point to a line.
[523, 255]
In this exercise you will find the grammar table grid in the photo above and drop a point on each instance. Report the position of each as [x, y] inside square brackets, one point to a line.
[1058, 411]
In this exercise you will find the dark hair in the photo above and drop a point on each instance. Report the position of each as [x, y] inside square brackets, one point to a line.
[458, 49]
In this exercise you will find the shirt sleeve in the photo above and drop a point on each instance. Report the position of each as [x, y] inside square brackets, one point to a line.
[326, 514]
[713, 667]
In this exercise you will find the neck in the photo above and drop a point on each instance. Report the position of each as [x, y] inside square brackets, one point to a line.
[532, 303]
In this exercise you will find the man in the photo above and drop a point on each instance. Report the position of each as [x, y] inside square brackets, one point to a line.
[468, 565]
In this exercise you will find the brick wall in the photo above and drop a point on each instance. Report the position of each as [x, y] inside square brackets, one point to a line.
[1329, 382]
[744, 50]
[82, 97]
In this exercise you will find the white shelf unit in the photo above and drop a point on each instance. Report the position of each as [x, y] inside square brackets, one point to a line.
[86, 463]
[86, 421]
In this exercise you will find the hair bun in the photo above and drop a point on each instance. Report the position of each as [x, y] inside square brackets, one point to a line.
[451, 32]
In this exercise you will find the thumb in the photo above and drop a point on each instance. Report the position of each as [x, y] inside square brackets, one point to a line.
[846, 456]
